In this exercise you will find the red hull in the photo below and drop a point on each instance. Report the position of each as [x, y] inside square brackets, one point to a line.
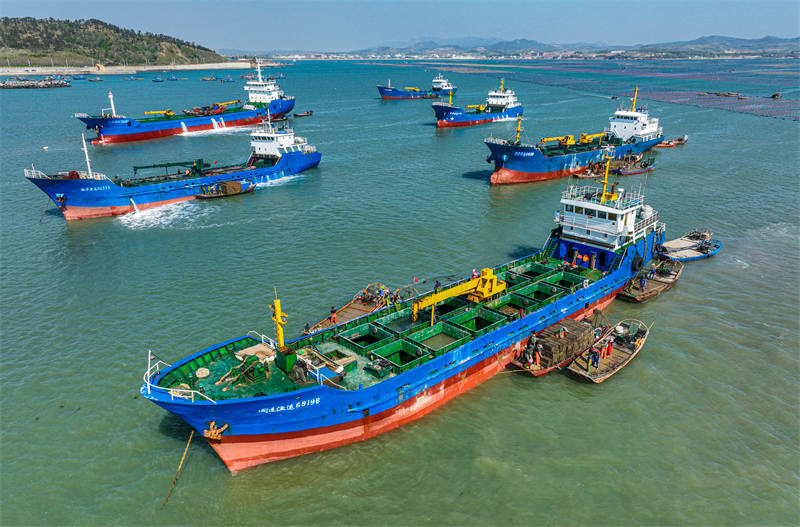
[82, 213]
[243, 451]
[456, 124]
[157, 134]
[505, 176]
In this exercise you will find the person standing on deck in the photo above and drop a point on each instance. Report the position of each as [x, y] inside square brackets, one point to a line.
[595, 356]
[474, 274]
[610, 347]
[642, 282]
[437, 287]
[537, 355]
[334, 318]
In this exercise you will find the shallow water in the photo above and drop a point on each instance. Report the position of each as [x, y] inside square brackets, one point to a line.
[701, 428]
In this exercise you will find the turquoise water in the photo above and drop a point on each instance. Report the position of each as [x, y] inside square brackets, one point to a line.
[702, 428]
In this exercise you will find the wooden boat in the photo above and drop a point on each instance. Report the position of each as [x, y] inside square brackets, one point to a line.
[690, 239]
[211, 78]
[672, 143]
[557, 351]
[225, 189]
[641, 168]
[304, 114]
[705, 249]
[629, 337]
[667, 273]
[369, 299]
[95, 79]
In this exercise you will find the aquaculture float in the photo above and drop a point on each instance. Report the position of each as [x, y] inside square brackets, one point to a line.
[265, 99]
[500, 105]
[439, 87]
[258, 400]
[630, 131]
[87, 194]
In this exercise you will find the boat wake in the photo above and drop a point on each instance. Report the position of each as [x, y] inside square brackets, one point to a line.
[186, 214]
[278, 182]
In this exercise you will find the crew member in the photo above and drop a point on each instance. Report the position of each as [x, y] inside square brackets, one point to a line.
[334, 320]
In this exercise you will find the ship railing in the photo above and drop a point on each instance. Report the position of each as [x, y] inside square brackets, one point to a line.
[265, 340]
[308, 149]
[592, 194]
[32, 173]
[584, 222]
[642, 224]
[84, 175]
[153, 368]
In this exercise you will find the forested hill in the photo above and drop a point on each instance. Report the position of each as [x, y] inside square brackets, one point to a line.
[87, 42]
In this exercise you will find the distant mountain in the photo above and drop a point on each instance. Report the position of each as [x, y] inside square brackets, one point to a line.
[720, 44]
[86, 42]
[708, 46]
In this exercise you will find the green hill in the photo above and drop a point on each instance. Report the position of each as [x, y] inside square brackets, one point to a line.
[88, 42]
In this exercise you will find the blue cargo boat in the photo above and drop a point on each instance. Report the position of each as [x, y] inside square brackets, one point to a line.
[501, 105]
[439, 87]
[258, 400]
[78, 195]
[265, 99]
[631, 131]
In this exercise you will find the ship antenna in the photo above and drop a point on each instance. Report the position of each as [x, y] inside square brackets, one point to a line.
[635, 93]
[111, 99]
[86, 153]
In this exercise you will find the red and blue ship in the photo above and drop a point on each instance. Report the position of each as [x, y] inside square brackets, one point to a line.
[87, 194]
[257, 400]
[501, 105]
[265, 100]
[440, 87]
[630, 131]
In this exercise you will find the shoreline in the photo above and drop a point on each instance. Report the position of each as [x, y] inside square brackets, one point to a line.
[129, 70]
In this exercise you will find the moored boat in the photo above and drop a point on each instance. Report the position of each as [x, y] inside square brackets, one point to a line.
[650, 283]
[265, 99]
[225, 189]
[78, 195]
[440, 87]
[637, 168]
[555, 347]
[367, 376]
[630, 131]
[704, 249]
[500, 105]
[309, 113]
[672, 143]
[627, 339]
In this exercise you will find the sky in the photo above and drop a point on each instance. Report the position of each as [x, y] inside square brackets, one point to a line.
[330, 25]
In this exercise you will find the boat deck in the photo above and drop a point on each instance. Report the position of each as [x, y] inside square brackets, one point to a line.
[368, 346]
[666, 276]
[629, 338]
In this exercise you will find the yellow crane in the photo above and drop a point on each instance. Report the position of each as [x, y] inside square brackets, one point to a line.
[477, 289]
[410, 88]
[479, 107]
[166, 112]
[588, 138]
[237, 101]
[564, 140]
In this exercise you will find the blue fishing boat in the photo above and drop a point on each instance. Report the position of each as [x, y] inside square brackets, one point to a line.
[440, 87]
[257, 400]
[696, 244]
[501, 105]
[87, 194]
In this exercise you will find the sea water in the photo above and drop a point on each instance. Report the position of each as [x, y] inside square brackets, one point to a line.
[701, 428]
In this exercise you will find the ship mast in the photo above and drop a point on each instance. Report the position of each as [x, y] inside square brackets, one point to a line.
[519, 129]
[86, 153]
[111, 99]
[279, 317]
[605, 182]
[258, 68]
[635, 93]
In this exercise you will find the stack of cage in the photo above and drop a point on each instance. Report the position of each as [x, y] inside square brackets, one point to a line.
[577, 337]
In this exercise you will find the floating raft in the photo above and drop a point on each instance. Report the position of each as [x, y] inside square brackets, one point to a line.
[667, 274]
[629, 337]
